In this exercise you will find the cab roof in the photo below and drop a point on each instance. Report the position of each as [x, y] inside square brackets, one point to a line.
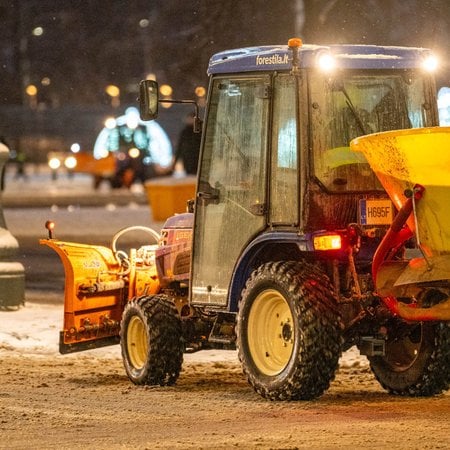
[279, 57]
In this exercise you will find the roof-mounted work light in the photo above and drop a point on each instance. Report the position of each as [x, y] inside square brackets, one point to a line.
[326, 62]
[430, 63]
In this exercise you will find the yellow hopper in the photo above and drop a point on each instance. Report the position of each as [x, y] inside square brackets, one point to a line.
[402, 159]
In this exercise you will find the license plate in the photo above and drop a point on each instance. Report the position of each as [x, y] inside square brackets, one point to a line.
[375, 212]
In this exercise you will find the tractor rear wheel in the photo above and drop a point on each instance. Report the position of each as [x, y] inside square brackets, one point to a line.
[151, 340]
[417, 358]
[289, 331]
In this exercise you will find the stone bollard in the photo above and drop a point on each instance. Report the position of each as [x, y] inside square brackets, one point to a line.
[12, 273]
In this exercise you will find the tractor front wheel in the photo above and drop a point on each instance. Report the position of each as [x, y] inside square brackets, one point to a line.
[151, 341]
[288, 331]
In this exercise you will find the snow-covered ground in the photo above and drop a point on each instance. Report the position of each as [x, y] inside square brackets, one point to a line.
[34, 330]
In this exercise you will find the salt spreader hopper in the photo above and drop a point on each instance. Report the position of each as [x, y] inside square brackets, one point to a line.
[413, 166]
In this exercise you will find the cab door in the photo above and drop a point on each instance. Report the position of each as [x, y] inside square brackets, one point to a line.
[231, 197]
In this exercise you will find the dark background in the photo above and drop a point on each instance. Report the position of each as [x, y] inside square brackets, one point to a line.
[89, 44]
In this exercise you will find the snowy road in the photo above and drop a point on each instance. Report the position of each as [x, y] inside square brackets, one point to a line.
[85, 400]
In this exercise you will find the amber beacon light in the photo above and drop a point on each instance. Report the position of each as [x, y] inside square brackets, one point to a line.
[295, 43]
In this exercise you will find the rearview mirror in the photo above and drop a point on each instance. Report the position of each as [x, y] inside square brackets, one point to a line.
[148, 99]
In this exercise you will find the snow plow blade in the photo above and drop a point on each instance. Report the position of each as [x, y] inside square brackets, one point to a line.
[93, 296]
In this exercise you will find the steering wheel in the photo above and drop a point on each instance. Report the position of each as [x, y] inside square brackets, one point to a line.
[120, 255]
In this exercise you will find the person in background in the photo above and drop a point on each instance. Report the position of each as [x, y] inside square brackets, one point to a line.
[188, 148]
[20, 160]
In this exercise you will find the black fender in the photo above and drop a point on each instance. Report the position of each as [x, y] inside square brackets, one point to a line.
[269, 246]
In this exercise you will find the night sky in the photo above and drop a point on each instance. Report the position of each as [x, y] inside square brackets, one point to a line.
[86, 45]
[69, 51]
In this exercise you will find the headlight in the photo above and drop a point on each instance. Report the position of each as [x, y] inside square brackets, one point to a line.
[54, 163]
[326, 62]
[134, 152]
[70, 162]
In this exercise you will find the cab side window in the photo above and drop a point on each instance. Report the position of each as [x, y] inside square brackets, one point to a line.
[284, 162]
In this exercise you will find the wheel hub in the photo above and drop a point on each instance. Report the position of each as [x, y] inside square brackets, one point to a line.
[137, 342]
[270, 332]
[286, 332]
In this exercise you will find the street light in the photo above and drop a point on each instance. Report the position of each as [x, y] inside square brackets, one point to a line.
[31, 91]
[70, 162]
[114, 92]
[54, 163]
[166, 91]
[38, 31]
[75, 147]
[200, 91]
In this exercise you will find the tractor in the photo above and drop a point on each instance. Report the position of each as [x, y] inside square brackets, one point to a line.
[320, 222]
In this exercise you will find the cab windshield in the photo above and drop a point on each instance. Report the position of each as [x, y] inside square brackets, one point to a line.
[353, 105]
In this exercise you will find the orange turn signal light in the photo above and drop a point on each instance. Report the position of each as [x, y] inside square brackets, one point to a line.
[327, 242]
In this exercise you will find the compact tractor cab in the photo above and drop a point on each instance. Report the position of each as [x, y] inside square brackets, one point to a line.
[290, 230]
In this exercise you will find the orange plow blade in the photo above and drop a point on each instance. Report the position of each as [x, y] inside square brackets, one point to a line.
[93, 296]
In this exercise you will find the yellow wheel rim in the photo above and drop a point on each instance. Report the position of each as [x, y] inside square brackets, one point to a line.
[137, 342]
[270, 332]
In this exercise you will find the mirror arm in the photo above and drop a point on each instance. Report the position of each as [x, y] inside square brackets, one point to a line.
[197, 121]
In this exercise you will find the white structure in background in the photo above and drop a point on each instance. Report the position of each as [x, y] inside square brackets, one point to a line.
[444, 106]
[159, 147]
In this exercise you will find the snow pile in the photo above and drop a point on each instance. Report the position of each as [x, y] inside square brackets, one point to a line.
[34, 330]
[30, 329]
